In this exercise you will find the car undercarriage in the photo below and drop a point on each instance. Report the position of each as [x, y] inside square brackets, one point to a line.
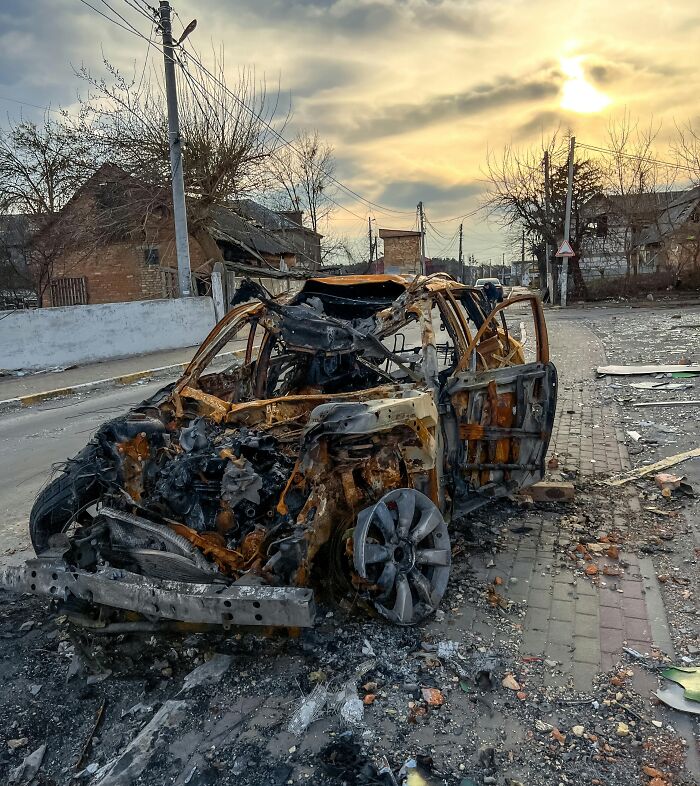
[365, 414]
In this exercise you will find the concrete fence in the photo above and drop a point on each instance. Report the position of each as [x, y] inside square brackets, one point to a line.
[70, 335]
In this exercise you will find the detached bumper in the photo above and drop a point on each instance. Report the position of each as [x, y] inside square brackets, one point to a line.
[215, 604]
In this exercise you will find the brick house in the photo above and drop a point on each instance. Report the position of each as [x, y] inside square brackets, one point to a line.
[401, 252]
[122, 243]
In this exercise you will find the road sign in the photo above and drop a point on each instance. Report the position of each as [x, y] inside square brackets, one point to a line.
[565, 250]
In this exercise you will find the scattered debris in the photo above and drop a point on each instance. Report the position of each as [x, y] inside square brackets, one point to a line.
[661, 369]
[689, 678]
[674, 403]
[665, 463]
[211, 671]
[86, 745]
[510, 682]
[552, 491]
[134, 759]
[27, 770]
[310, 709]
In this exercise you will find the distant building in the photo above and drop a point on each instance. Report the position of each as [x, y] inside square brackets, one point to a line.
[401, 251]
[672, 242]
[627, 232]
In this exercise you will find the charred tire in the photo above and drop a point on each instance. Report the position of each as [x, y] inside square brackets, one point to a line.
[62, 499]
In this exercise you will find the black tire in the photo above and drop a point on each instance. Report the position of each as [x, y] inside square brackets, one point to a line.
[63, 498]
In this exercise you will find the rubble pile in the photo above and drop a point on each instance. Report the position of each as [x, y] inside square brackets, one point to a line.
[346, 702]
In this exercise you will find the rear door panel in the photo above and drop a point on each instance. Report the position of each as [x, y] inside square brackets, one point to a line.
[504, 418]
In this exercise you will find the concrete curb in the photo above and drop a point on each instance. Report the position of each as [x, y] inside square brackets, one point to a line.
[99, 384]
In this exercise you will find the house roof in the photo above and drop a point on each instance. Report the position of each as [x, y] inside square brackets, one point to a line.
[244, 223]
[646, 204]
[266, 218]
[676, 214]
[228, 226]
[385, 233]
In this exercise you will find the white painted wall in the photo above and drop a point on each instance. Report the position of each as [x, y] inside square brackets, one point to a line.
[69, 335]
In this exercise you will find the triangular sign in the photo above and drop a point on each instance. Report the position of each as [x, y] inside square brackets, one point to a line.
[565, 250]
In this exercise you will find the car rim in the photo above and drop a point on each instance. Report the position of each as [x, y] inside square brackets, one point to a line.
[402, 549]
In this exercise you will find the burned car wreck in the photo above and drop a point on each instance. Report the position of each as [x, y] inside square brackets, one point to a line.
[365, 414]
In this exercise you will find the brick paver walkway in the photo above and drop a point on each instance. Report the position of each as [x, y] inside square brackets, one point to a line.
[578, 622]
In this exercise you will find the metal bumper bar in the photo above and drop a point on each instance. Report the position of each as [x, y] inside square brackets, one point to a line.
[216, 604]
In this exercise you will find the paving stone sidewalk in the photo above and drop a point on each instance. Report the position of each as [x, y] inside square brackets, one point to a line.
[581, 623]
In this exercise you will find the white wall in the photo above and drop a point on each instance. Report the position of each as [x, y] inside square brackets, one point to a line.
[47, 337]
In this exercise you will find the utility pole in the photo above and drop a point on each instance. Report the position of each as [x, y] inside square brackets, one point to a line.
[369, 233]
[460, 258]
[522, 259]
[179, 209]
[567, 220]
[421, 218]
[548, 259]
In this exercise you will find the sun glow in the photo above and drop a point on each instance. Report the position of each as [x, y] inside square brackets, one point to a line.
[579, 95]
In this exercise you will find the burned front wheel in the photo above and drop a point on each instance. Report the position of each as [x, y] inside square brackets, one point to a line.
[401, 553]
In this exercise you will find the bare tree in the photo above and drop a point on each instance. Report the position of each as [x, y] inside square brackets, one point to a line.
[41, 165]
[303, 171]
[228, 135]
[519, 197]
[638, 188]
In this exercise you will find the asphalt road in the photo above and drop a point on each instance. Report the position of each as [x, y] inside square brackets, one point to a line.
[34, 439]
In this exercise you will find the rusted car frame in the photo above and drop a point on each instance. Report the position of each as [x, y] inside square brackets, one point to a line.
[329, 460]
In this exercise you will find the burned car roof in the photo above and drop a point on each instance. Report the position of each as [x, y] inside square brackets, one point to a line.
[326, 461]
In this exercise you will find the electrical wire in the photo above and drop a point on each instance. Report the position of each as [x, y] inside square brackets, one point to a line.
[26, 103]
[286, 143]
[209, 95]
[130, 29]
[635, 157]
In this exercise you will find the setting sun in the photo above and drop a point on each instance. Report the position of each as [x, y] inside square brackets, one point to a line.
[578, 94]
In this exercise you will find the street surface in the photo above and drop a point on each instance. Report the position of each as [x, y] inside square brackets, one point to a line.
[535, 688]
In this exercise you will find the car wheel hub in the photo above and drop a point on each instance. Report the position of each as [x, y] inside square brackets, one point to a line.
[401, 550]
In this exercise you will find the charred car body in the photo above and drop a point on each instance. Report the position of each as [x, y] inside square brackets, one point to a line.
[328, 459]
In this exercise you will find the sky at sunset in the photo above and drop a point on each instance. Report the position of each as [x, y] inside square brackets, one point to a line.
[411, 93]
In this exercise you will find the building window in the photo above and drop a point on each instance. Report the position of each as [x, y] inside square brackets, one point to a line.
[69, 291]
[151, 255]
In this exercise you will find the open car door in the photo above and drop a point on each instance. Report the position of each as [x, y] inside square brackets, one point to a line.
[503, 394]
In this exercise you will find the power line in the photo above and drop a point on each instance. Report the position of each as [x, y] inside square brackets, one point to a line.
[208, 95]
[26, 103]
[130, 29]
[635, 157]
[242, 103]
[458, 218]
[286, 143]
